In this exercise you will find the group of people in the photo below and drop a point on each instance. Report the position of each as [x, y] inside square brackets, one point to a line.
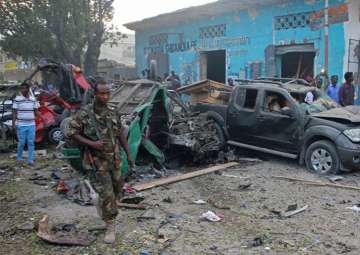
[343, 94]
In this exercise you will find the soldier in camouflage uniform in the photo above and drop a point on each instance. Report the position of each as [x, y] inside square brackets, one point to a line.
[97, 129]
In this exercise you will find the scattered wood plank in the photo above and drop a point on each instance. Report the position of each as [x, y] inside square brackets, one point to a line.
[182, 177]
[317, 183]
[292, 213]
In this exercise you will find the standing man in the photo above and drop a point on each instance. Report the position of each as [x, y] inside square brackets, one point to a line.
[23, 121]
[174, 80]
[231, 82]
[173, 77]
[347, 90]
[333, 89]
[97, 129]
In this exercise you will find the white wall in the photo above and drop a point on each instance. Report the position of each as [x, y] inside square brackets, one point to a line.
[352, 30]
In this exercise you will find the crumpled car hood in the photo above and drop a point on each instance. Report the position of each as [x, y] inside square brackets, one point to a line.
[349, 113]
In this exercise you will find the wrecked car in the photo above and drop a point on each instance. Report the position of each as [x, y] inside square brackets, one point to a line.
[271, 116]
[68, 93]
[158, 126]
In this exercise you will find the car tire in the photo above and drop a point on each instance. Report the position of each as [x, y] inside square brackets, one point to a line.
[64, 126]
[321, 157]
[221, 135]
[55, 135]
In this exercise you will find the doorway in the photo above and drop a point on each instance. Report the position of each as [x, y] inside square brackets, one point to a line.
[162, 63]
[291, 61]
[213, 65]
[297, 64]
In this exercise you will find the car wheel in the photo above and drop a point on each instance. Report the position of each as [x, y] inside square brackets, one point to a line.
[56, 135]
[220, 135]
[322, 158]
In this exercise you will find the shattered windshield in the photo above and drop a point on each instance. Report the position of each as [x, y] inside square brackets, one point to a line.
[321, 101]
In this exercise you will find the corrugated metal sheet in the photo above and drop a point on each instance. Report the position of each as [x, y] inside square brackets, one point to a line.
[198, 12]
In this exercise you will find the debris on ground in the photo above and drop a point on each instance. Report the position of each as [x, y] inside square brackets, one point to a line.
[167, 200]
[132, 200]
[77, 190]
[307, 248]
[335, 178]
[293, 211]
[257, 241]
[354, 208]
[245, 186]
[133, 206]
[63, 237]
[147, 215]
[199, 202]
[182, 177]
[317, 183]
[218, 205]
[247, 227]
[211, 216]
[234, 176]
[61, 187]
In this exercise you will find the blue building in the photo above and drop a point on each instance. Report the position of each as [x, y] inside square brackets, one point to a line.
[247, 39]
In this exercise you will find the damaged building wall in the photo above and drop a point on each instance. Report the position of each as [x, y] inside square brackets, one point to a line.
[352, 44]
[249, 43]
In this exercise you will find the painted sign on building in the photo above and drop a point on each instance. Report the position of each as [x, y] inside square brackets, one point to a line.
[337, 14]
[224, 42]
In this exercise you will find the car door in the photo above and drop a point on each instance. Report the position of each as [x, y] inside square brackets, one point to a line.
[279, 125]
[241, 115]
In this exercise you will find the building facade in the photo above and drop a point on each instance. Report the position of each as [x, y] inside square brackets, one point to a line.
[117, 61]
[245, 39]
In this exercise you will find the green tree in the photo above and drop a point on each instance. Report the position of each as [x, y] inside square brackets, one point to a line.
[70, 31]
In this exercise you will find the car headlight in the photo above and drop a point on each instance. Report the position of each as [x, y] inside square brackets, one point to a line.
[353, 135]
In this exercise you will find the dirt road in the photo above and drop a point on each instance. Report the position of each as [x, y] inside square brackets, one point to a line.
[250, 225]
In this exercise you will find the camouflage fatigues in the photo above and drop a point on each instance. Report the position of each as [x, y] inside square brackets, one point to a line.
[95, 123]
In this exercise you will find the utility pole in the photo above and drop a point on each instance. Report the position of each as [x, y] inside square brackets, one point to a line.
[326, 51]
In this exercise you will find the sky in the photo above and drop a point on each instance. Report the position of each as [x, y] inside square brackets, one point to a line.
[133, 10]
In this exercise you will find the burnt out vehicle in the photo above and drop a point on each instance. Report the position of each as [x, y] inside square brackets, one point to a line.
[272, 117]
[159, 128]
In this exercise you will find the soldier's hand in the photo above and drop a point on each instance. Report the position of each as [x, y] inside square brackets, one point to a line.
[98, 145]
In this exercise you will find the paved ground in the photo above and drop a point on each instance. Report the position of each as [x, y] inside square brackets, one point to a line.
[250, 225]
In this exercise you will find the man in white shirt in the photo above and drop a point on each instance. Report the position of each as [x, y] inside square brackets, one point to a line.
[24, 112]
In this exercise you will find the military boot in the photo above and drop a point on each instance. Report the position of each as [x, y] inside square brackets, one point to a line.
[110, 232]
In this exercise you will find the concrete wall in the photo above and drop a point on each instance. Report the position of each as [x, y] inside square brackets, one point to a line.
[248, 33]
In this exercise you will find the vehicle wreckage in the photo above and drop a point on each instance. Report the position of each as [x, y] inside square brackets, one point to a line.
[159, 126]
[270, 115]
[69, 94]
